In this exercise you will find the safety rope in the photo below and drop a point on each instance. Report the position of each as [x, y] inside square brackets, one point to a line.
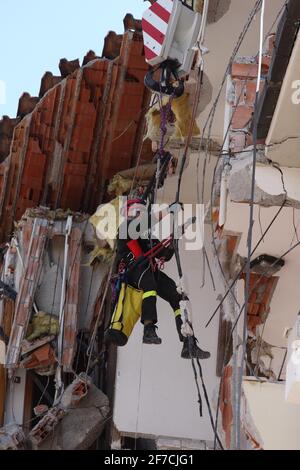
[208, 405]
[197, 387]
[165, 111]
[177, 253]
[180, 270]
[139, 396]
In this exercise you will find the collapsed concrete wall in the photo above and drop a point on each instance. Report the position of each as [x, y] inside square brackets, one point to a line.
[76, 422]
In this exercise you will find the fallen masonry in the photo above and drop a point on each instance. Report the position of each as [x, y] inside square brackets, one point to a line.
[76, 422]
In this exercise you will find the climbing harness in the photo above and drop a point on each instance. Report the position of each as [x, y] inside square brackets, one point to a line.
[127, 299]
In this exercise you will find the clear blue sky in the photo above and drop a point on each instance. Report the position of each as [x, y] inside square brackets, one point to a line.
[35, 34]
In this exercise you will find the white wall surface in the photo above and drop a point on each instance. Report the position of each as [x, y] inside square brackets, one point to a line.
[269, 179]
[292, 389]
[14, 408]
[285, 126]
[286, 299]
[277, 421]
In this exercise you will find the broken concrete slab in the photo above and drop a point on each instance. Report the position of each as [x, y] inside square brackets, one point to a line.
[78, 421]
[12, 438]
[45, 427]
[274, 186]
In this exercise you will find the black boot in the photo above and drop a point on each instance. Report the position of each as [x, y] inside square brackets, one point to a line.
[191, 350]
[150, 336]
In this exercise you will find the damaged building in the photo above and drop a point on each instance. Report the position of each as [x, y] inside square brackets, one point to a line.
[91, 136]
[270, 378]
[58, 157]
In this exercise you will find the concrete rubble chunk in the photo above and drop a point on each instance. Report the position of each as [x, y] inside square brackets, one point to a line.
[240, 183]
[12, 438]
[40, 410]
[76, 422]
[45, 427]
[42, 360]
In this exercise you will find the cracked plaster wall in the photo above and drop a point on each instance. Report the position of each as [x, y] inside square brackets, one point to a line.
[272, 187]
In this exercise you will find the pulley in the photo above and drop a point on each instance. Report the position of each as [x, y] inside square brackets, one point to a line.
[169, 82]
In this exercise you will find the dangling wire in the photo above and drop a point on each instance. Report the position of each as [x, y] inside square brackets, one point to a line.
[250, 231]
[178, 260]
